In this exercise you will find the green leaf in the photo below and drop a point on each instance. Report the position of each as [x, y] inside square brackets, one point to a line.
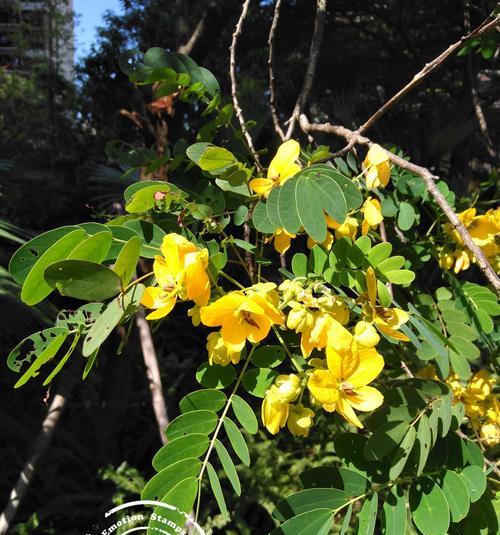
[429, 507]
[181, 496]
[315, 522]
[217, 490]
[423, 443]
[460, 365]
[268, 356]
[193, 445]
[215, 158]
[385, 440]
[91, 360]
[28, 255]
[466, 348]
[83, 280]
[32, 346]
[307, 500]
[164, 481]
[402, 454]
[237, 441]
[379, 253]
[258, 380]
[47, 354]
[212, 400]
[347, 520]
[406, 216]
[353, 483]
[110, 318]
[299, 264]
[94, 248]
[456, 495]
[228, 466]
[215, 376]
[35, 288]
[144, 199]
[368, 516]
[349, 448]
[200, 421]
[126, 262]
[443, 408]
[474, 454]
[244, 414]
[394, 512]
[475, 481]
[400, 276]
[151, 237]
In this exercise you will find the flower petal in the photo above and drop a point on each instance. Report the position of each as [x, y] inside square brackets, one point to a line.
[323, 385]
[214, 314]
[365, 398]
[345, 410]
[261, 186]
[370, 364]
[163, 311]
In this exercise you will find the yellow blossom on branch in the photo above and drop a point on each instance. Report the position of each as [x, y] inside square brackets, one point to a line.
[243, 316]
[343, 386]
[377, 167]
[282, 167]
[181, 273]
[220, 352]
[300, 420]
[276, 404]
[372, 213]
[387, 320]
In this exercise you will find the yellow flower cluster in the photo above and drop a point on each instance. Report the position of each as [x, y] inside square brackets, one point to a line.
[485, 232]
[341, 381]
[284, 166]
[482, 407]
[181, 273]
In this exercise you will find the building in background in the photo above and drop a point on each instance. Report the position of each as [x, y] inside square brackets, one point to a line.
[31, 31]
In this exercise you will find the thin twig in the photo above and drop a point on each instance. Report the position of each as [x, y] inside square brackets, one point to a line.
[48, 427]
[430, 67]
[319, 26]
[476, 103]
[429, 181]
[234, 84]
[153, 374]
[270, 62]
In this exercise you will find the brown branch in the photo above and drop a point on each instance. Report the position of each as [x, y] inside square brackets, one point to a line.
[430, 67]
[153, 374]
[270, 62]
[234, 84]
[429, 181]
[476, 103]
[48, 427]
[312, 62]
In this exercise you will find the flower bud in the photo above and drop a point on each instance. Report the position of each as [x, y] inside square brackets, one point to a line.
[219, 352]
[274, 411]
[287, 387]
[300, 420]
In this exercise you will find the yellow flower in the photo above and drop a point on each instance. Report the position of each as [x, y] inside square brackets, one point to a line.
[299, 317]
[479, 388]
[282, 167]
[194, 314]
[327, 244]
[387, 320]
[180, 273]
[281, 240]
[219, 352]
[372, 215]
[445, 259]
[490, 434]
[343, 387]
[377, 167]
[300, 420]
[317, 335]
[287, 387]
[347, 229]
[274, 411]
[365, 334]
[243, 316]
[462, 260]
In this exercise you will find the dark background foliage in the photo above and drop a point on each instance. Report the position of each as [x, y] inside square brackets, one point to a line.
[54, 173]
